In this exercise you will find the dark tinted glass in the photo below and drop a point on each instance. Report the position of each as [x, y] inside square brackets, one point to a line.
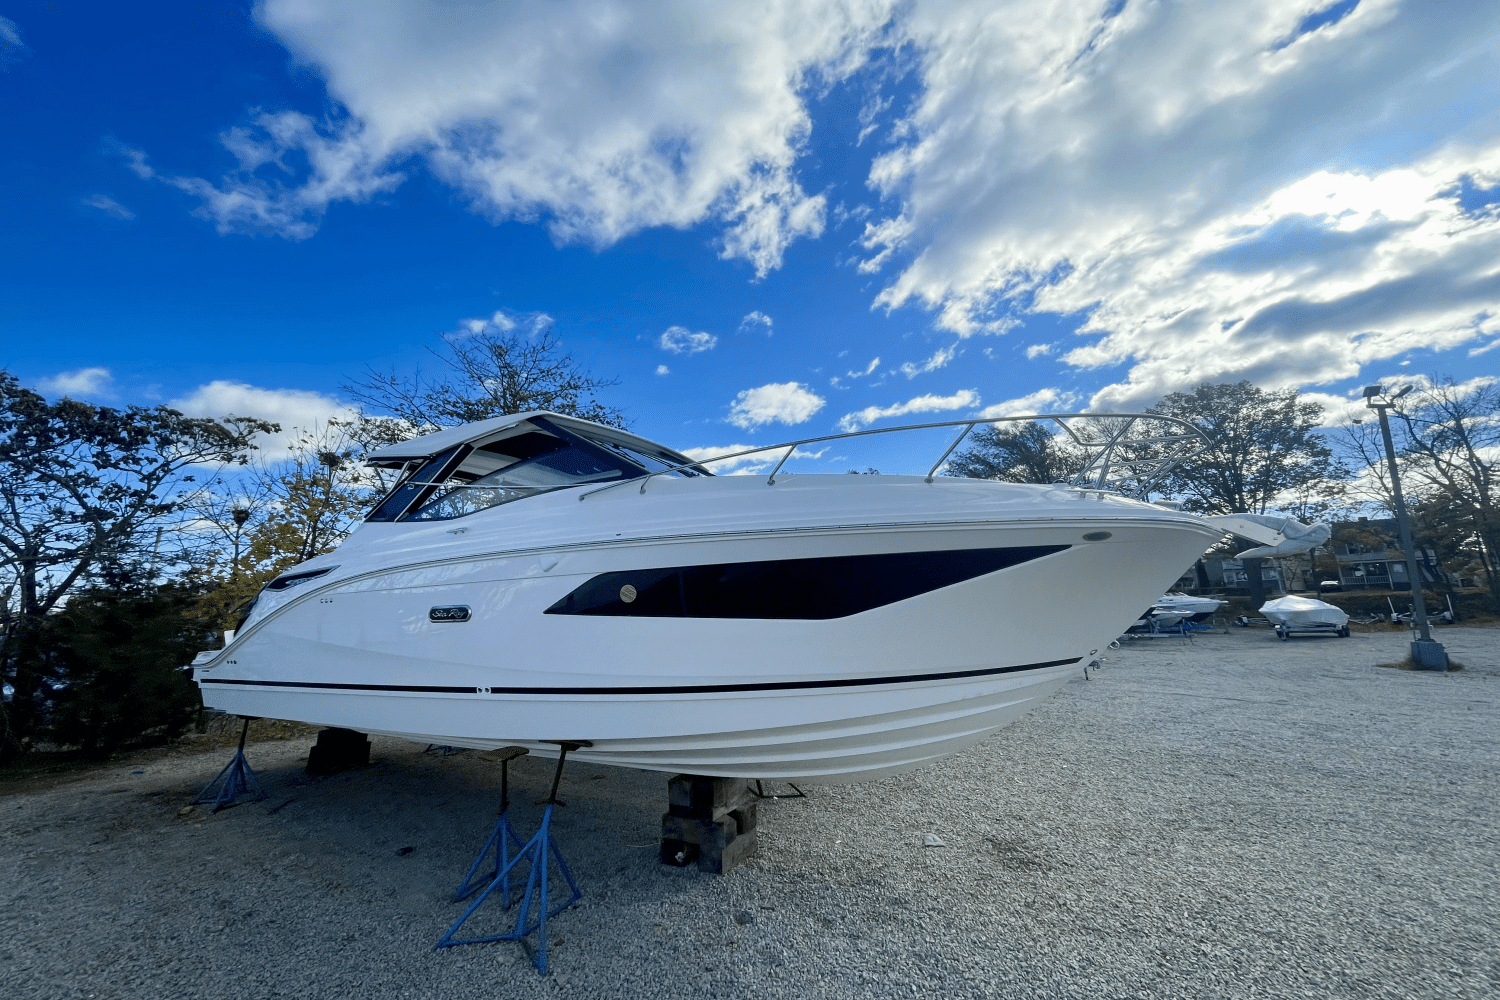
[515, 468]
[829, 587]
[405, 494]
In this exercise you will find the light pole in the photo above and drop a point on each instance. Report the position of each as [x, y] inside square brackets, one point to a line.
[240, 515]
[1425, 653]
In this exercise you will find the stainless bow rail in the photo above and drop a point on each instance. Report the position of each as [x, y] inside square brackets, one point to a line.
[1127, 453]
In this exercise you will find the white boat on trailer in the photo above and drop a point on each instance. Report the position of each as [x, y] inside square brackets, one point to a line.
[538, 578]
[1305, 616]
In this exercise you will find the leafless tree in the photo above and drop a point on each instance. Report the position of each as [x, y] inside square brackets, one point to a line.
[1450, 445]
[489, 375]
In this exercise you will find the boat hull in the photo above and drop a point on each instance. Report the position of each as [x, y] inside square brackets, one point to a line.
[852, 697]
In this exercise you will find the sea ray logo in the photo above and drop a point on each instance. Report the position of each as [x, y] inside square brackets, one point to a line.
[455, 613]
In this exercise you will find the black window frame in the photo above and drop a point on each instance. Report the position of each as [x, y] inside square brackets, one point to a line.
[418, 487]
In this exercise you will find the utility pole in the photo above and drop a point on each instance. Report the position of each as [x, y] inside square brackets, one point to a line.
[1425, 653]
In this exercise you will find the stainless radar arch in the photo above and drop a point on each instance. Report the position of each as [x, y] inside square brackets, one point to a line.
[1127, 453]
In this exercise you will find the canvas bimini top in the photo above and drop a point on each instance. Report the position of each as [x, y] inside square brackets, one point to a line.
[462, 470]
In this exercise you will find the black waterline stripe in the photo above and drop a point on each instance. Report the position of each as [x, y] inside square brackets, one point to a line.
[681, 689]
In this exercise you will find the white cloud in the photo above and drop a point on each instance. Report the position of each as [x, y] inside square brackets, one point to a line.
[79, 383]
[340, 167]
[598, 117]
[1041, 401]
[939, 358]
[11, 45]
[755, 322]
[504, 321]
[777, 402]
[1338, 411]
[1220, 191]
[962, 399]
[1039, 350]
[663, 370]
[108, 206]
[745, 465]
[837, 381]
[681, 340]
[1218, 196]
[294, 409]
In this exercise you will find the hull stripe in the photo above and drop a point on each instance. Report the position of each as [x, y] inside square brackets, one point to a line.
[665, 689]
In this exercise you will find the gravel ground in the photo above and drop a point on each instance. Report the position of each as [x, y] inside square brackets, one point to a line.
[1237, 817]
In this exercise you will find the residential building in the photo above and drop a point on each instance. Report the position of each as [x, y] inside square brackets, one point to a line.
[1370, 557]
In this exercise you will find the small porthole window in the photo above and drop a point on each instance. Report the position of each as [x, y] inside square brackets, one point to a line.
[627, 593]
[1096, 536]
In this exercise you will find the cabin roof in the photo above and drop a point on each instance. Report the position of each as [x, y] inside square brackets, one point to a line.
[428, 445]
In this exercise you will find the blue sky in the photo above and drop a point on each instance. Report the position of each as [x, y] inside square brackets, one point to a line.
[1013, 207]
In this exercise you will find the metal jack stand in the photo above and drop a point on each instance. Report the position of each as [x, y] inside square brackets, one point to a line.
[501, 840]
[237, 777]
[538, 852]
[760, 793]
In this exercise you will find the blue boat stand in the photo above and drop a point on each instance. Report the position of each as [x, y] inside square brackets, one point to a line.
[538, 852]
[237, 779]
[501, 840]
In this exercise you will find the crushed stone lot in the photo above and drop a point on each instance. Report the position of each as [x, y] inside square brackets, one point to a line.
[1230, 817]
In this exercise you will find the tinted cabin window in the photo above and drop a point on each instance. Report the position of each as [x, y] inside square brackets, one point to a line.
[654, 463]
[829, 587]
[411, 489]
[517, 467]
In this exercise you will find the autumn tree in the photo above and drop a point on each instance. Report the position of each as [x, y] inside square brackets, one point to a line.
[82, 488]
[297, 508]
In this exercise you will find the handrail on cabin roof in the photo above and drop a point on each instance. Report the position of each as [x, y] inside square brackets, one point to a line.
[1105, 470]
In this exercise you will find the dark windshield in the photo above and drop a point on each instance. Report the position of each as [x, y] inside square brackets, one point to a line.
[408, 490]
[518, 467]
[467, 479]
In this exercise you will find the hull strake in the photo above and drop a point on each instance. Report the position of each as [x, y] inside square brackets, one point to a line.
[878, 732]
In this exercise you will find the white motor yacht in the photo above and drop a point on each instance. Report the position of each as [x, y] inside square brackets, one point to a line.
[540, 578]
[1194, 609]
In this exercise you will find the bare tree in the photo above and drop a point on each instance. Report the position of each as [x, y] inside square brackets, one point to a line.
[489, 375]
[1451, 449]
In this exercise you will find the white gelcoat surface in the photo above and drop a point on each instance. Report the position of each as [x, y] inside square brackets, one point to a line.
[366, 623]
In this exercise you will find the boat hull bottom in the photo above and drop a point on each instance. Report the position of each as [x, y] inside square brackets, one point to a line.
[861, 747]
